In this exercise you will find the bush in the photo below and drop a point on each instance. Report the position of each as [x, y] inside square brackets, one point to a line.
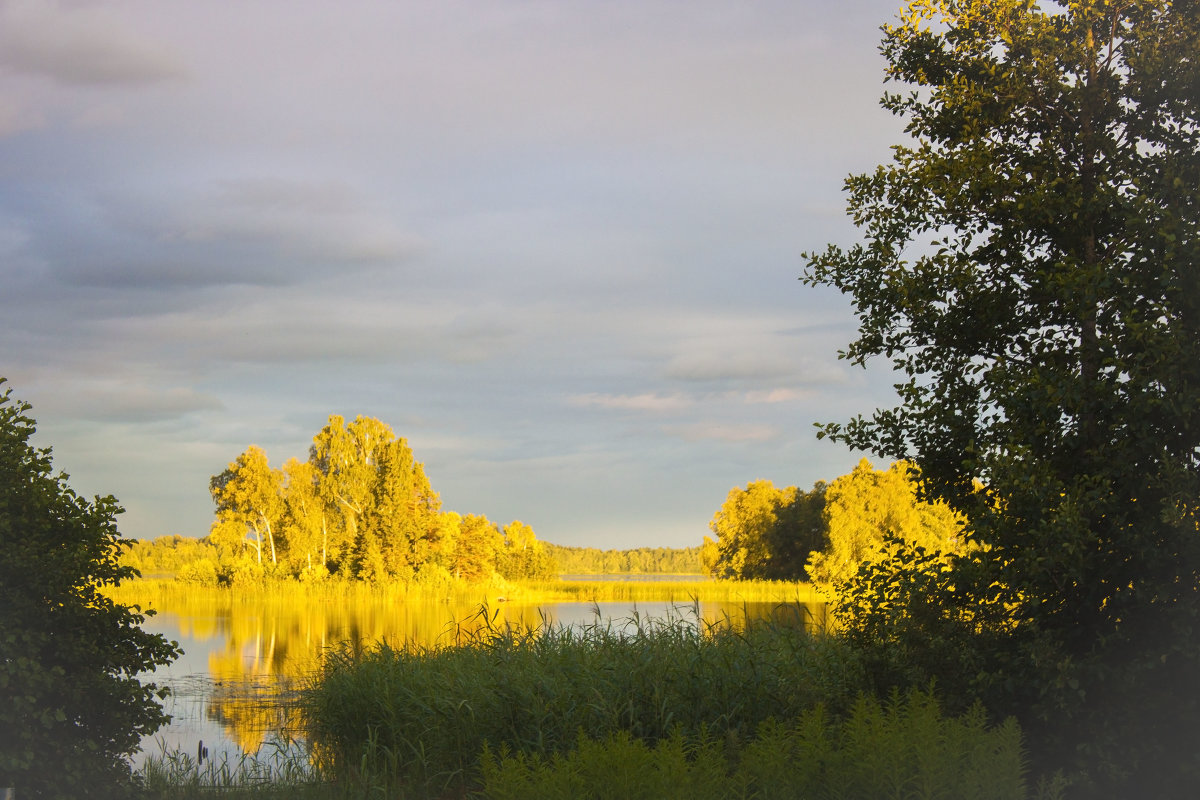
[902, 749]
[200, 573]
[73, 706]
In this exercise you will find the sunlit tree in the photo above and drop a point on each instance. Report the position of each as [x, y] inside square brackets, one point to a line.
[764, 532]
[866, 505]
[304, 518]
[523, 557]
[345, 457]
[476, 548]
[249, 492]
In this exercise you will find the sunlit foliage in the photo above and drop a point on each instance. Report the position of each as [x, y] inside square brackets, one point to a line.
[765, 532]
[361, 508]
[594, 561]
[864, 507]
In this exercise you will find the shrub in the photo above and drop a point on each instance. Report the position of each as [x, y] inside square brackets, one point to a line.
[73, 706]
[905, 748]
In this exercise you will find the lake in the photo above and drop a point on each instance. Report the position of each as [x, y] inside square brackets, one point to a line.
[245, 657]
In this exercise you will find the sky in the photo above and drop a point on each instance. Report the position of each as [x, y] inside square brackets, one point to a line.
[554, 244]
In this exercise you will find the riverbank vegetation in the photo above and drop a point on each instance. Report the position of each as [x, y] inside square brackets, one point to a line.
[664, 707]
[1030, 270]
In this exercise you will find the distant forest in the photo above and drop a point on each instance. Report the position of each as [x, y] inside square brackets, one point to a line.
[171, 555]
[593, 561]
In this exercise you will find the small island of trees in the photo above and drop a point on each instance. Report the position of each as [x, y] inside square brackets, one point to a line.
[361, 507]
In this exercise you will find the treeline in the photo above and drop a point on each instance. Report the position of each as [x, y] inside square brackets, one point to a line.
[594, 561]
[361, 508]
[826, 534]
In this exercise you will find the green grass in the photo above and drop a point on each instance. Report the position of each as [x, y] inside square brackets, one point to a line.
[282, 771]
[653, 708]
[900, 750]
[417, 720]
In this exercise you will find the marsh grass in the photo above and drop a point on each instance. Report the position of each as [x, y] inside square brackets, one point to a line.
[157, 593]
[416, 720]
[282, 770]
[901, 749]
[671, 591]
[162, 592]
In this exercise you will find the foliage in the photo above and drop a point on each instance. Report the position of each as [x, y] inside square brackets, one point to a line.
[282, 773]
[649, 560]
[167, 554]
[360, 507]
[867, 505]
[1030, 267]
[905, 748]
[418, 719]
[764, 532]
[523, 557]
[73, 705]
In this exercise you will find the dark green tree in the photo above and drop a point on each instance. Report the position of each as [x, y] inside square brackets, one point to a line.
[72, 707]
[1031, 266]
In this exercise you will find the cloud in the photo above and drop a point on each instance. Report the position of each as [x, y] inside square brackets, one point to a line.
[638, 402]
[118, 401]
[83, 46]
[725, 432]
[254, 232]
[16, 117]
[772, 396]
[704, 365]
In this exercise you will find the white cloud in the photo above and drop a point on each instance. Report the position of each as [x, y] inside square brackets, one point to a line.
[80, 46]
[726, 432]
[772, 396]
[638, 402]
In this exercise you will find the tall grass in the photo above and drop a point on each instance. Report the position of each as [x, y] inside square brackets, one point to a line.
[904, 749]
[156, 593]
[416, 720]
[282, 771]
[159, 592]
[668, 591]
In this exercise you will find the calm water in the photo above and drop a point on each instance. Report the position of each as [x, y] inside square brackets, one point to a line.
[243, 661]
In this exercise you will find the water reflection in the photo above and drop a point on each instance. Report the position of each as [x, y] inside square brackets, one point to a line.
[246, 658]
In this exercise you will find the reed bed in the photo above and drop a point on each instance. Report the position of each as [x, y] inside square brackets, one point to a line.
[673, 591]
[416, 720]
[284, 770]
[156, 592]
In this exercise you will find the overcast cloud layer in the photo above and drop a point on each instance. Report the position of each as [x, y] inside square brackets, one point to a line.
[553, 243]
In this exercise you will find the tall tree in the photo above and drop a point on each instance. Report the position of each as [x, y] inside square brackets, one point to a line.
[523, 557]
[345, 456]
[249, 491]
[403, 514]
[867, 505]
[304, 518]
[73, 706]
[1030, 266]
[475, 548]
[765, 532]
